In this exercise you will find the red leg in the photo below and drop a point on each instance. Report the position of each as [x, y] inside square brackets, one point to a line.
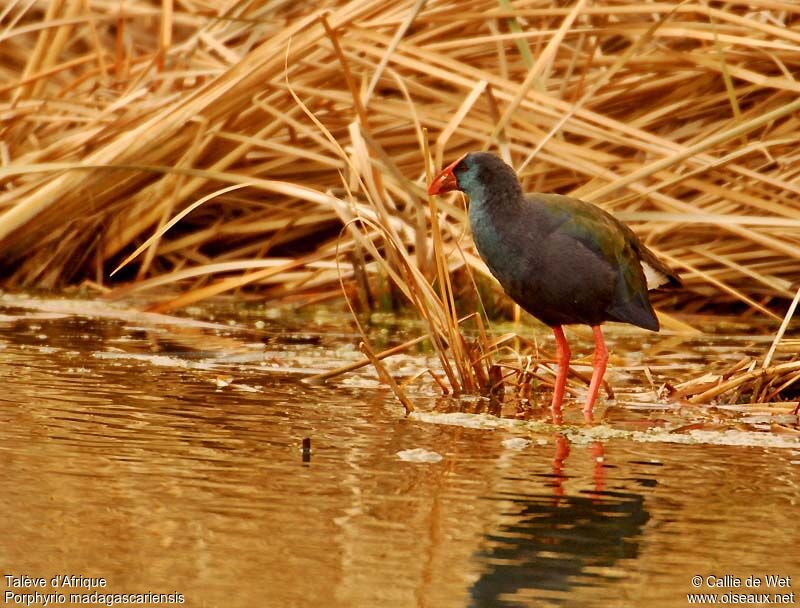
[562, 451]
[563, 355]
[598, 453]
[599, 364]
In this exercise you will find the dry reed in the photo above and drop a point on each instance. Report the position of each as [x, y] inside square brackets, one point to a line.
[748, 381]
[680, 118]
[267, 127]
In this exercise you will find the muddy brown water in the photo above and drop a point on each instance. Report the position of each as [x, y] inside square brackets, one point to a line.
[166, 457]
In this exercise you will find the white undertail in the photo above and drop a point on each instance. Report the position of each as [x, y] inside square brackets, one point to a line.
[655, 278]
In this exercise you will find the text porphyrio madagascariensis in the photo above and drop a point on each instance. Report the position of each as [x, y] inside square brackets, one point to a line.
[562, 260]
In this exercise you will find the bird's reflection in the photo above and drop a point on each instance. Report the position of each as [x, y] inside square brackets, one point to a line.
[553, 541]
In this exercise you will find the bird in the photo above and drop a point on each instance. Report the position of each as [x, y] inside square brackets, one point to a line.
[563, 260]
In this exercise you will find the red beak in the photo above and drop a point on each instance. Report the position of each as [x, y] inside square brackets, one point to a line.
[446, 180]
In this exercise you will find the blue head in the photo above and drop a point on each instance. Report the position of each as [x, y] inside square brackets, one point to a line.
[477, 174]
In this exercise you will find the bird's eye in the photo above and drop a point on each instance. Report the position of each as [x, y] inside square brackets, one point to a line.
[460, 168]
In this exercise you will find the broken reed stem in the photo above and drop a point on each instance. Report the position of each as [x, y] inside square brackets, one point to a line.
[737, 380]
[386, 377]
[351, 367]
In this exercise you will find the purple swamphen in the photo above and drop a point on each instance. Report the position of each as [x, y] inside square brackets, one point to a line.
[561, 259]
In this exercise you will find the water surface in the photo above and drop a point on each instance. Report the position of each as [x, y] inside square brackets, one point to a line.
[167, 458]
